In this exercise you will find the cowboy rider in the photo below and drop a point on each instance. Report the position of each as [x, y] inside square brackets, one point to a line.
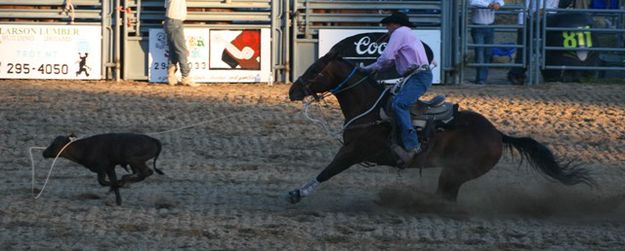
[405, 51]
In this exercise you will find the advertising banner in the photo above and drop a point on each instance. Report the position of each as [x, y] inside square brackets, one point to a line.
[217, 55]
[365, 46]
[50, 51]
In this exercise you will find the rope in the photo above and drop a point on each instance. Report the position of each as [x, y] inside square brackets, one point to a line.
[32, 165]
[366, 112]
[200, 123]
[325, 125]
[32, 162]
[322, 122]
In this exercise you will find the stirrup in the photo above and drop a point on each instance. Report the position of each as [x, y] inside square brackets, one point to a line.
[405, 157]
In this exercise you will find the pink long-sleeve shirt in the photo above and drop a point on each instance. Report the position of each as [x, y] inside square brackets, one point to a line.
[403, 50]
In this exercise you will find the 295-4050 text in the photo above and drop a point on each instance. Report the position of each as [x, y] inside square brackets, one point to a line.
[17, 68]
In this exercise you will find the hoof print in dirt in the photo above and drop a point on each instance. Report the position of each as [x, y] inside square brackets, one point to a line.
[162, 202]
[88, 196]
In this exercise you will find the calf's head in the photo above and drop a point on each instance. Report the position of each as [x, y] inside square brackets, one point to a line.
[57, 144]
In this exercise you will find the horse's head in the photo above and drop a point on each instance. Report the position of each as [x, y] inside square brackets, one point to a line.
[323, 75]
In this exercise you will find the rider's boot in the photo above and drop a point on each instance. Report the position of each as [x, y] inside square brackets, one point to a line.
[405, 157]
[187, 81]
[171, 75]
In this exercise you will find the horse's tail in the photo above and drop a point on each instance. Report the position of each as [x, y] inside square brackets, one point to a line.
[541, 158]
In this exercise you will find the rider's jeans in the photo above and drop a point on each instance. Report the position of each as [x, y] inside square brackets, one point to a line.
[177, 45]
[407, 96]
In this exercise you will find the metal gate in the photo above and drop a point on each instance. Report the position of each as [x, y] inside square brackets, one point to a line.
[294, 26]
[309, 16]
[138, 16]
[544, 38]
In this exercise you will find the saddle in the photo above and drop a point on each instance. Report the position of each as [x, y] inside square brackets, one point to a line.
[436, 112]
[435, 109]
[427, 116]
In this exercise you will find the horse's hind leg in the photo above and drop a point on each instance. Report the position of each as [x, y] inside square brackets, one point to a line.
[449, 183]
[454, 175]
[469, 154]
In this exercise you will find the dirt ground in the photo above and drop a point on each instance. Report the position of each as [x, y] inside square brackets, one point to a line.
[247, 145]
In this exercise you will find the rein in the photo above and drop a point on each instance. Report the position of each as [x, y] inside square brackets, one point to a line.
[339, 89]
[336, 90]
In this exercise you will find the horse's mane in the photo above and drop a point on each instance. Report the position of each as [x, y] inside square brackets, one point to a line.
[335, 52]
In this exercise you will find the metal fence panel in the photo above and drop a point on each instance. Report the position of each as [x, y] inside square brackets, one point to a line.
[538, 54]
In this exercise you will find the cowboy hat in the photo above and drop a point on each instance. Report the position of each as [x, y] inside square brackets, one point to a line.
[398, 18]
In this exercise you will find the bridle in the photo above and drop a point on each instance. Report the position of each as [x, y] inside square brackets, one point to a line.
[340, 88]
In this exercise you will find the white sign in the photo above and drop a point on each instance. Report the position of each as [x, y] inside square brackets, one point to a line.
[197, 44]
[369, 49]
[50, 51]
[216, 55]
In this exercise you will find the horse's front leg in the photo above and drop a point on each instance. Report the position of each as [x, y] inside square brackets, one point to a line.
[346, 157]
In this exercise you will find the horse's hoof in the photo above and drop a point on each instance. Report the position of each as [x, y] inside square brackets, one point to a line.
[294, 196]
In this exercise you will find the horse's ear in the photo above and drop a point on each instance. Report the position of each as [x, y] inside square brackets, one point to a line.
[335, 52]
[428, 52]
[331, 54]
[72, 137]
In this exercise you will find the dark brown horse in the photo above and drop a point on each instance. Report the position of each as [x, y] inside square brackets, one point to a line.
[464, 152]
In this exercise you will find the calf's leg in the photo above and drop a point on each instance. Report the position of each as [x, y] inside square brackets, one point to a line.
[115, 184]
[142, 171]
[102, 179]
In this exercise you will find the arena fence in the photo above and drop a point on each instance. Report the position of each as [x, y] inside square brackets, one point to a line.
[502, 29]
[290, 34]
[311, 16]
[593, 49]
[564, 44]
[143, 16]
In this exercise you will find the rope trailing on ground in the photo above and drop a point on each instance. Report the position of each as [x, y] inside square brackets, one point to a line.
[32, 162]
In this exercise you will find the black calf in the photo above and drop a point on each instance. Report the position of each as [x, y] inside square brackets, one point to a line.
[101, 153]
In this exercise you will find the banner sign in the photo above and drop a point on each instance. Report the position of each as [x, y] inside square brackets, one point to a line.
[216, 55]
[364, 46]
[50, 51]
